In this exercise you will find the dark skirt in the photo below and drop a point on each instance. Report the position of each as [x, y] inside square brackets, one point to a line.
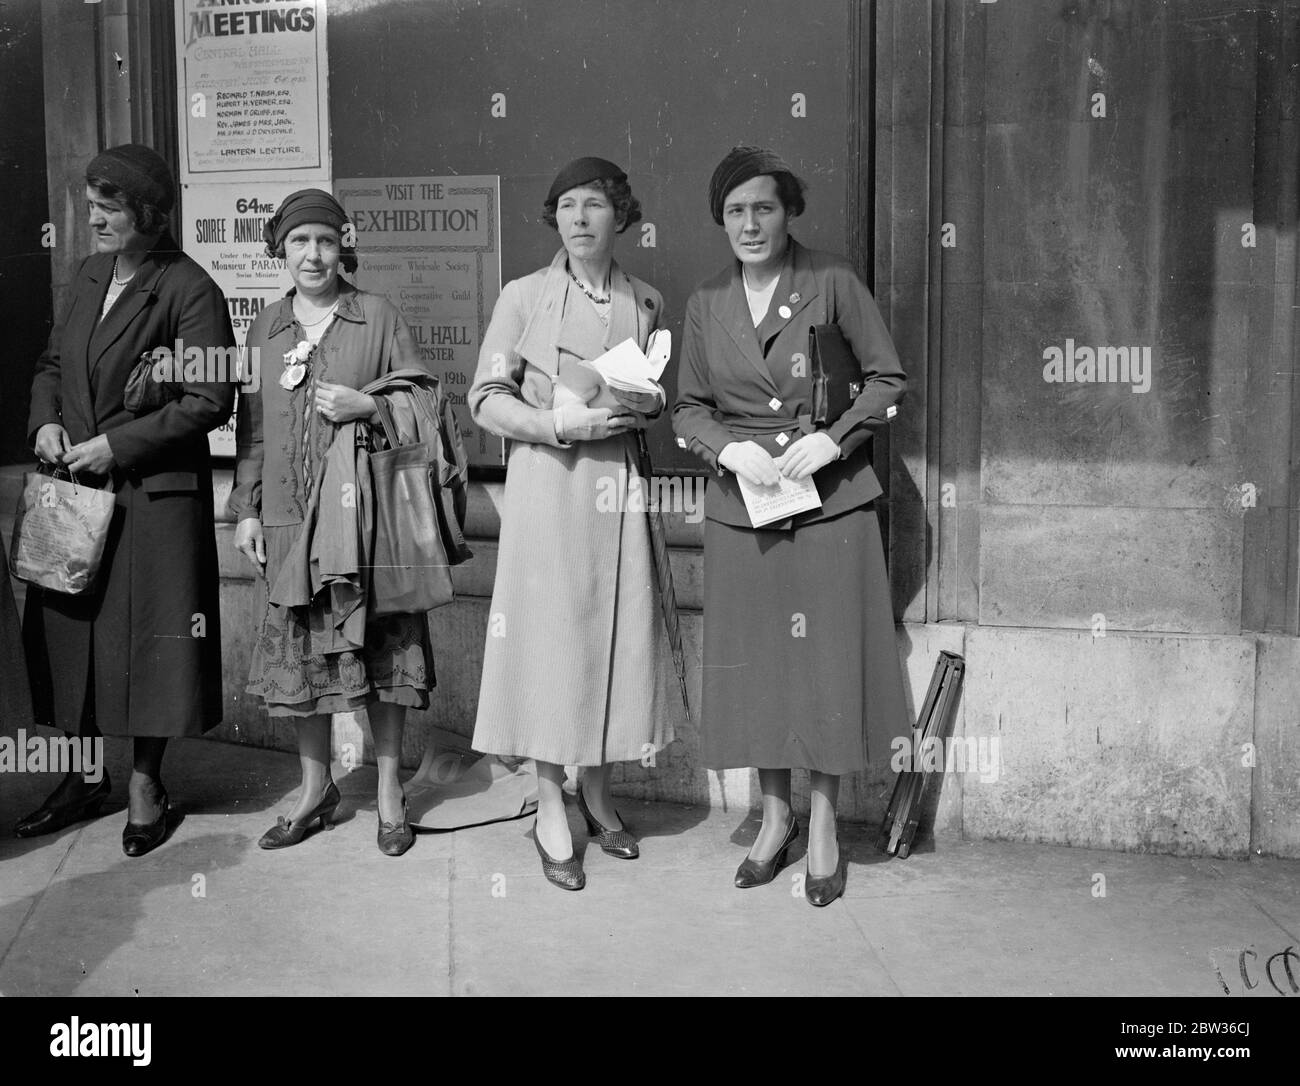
[800, 658]
[396, 664]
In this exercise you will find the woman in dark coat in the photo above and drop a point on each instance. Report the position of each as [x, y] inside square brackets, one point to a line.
[15, 693]
[799, 650]
[140, 654]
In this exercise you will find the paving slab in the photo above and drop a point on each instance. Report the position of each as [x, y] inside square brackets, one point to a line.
[469, 912]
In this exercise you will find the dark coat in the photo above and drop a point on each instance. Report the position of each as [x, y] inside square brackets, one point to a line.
[15, 695]
[145, 644]
[736, 382]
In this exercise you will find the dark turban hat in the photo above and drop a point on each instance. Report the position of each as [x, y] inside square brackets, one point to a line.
[303, 206]
[743, 164]
[582, 171]
[138, 171]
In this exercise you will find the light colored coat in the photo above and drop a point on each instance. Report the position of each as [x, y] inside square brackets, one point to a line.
[576, 667]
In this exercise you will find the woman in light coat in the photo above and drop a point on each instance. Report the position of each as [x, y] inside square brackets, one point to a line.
[576, 667]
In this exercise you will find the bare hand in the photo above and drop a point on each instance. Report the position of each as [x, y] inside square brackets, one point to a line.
[751, 462]
[93, 456]
[339, 404]
[810, 453]
[250, 542]
[52, 443]
[574, 422]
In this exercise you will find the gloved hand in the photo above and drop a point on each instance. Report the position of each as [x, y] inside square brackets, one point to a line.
[810, 453]
[577, 422]
[751, 462]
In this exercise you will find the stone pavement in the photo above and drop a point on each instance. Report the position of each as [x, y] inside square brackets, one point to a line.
[469, 912]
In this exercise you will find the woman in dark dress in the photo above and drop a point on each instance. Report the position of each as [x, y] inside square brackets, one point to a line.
[799, 649]
[140, 654]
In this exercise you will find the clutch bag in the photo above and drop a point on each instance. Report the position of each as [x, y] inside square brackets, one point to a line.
[145, 391]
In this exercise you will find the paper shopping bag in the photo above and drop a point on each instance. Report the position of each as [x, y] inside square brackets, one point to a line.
[60, 529]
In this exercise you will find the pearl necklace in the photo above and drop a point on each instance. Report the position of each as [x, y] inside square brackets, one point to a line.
[121, 282]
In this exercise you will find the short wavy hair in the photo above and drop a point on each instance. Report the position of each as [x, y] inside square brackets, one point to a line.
[149, 218]
[627, 208]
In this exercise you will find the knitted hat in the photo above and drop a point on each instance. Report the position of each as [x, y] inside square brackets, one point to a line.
[303, 206]
[138, 171]
[743, 164]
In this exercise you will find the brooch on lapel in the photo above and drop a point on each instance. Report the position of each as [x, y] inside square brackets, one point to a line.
[295, 365]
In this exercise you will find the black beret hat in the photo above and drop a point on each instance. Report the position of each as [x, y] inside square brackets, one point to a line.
[582, 171]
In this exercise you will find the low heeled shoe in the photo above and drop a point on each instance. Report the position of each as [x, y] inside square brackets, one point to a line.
[50, 818]
[394, 838]
[139, 838]
[821, 890]
[566, 874]
[752, 873]
[285, 833]
[619, 843]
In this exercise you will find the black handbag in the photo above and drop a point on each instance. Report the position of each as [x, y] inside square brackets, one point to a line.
[145, 391]
[836, 374]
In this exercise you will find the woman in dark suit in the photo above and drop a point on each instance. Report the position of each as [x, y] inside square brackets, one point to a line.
[799, 649]
[140, 654]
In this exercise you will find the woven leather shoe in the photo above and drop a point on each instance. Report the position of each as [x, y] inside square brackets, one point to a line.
[617, 843]
[566, 874]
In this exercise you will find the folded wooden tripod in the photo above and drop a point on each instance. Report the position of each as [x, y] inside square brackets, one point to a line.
[933, 724]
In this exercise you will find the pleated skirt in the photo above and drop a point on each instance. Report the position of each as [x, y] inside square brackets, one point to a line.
[576, 667]
[395, 665]
[801, 666]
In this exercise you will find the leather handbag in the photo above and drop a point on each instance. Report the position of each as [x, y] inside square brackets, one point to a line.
[410, 571]
[145, 390]
[836, 373]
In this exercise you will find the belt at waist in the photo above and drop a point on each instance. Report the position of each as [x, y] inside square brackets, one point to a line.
[750, 425]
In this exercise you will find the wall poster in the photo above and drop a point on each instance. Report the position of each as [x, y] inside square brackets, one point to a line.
[432, 246]
[253, 95]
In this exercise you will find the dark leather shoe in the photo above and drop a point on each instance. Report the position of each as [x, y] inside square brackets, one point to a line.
[139, 838]
[566, 874]
[752, 873]
[395, 838]
[51, 818]
[285, 833]
[821, 890]
[617, 843]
